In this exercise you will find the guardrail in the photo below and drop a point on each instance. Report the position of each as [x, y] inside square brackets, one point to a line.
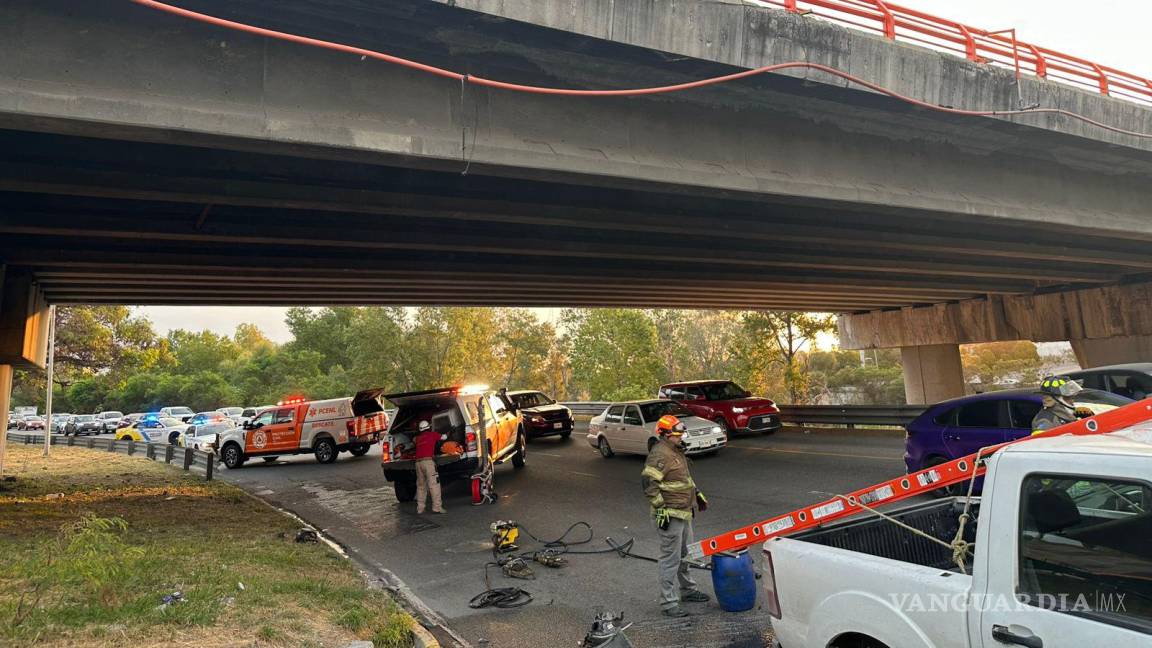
[1000, 47]
[199, 462]
[848, 416]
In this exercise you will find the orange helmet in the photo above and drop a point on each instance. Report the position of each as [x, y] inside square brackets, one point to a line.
[669, 424]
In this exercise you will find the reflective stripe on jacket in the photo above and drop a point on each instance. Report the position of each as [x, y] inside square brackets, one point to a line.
[667, 482]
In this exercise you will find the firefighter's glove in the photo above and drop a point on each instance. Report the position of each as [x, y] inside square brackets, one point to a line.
[1084, 412]
[701, 502]
[662, 519]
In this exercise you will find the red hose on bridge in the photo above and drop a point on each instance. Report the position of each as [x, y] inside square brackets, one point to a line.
[629, 92]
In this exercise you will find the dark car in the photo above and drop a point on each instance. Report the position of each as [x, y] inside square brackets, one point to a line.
[725, 403]
[961, 426]
[83, 424]
[31, 422]
[543, 416]
[1128, 380]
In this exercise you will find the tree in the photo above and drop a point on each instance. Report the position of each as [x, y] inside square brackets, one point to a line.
[203, 351]
[1001, 364]
[777, 340]
[93, 340]
[326, 331]
[524, 348]
[614, 353]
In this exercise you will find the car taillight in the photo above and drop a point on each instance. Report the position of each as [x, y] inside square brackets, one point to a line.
[351, 425]
[771, 599]
[385, 451]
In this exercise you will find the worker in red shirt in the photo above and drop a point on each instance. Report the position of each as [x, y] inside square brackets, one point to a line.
[427, 479]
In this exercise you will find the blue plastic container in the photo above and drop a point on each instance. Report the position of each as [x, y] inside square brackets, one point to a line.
[734, 581]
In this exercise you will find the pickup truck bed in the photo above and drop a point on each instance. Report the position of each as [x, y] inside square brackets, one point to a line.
[875, 536]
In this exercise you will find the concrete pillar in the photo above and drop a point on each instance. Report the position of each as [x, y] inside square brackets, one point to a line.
[1114, 350]
[932, 373]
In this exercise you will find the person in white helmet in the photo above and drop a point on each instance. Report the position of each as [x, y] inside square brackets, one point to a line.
[427, 479]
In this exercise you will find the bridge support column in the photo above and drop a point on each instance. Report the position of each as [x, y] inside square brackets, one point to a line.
[932, 373]
[1113, 350]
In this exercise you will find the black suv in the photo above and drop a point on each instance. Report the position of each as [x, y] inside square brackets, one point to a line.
[543, 416]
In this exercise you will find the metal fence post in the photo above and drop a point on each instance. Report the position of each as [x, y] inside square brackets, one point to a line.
[211, 460]
[150, 452]
[189, 454]
[91, 443]
[169, 451]
[131, 447]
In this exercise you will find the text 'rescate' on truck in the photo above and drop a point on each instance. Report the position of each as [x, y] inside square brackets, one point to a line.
[479, 429]
[298, 426]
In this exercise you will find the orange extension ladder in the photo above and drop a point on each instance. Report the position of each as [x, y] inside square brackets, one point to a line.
[903, 487]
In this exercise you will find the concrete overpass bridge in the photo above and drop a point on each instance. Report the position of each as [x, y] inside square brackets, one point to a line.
[150, 159]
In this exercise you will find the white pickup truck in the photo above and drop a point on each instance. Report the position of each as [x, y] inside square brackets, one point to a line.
[1062, 557]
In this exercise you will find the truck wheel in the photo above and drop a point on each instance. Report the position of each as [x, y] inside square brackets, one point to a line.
[521, 455]
[604, 448]
[359, 449]
[405, 490]
[325, 451]
[231, 456]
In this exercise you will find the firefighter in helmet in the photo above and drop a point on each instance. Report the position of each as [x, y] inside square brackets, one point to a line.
[675, 500]
[1058, 407]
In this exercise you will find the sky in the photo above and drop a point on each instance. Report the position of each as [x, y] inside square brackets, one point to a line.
[1109, 32]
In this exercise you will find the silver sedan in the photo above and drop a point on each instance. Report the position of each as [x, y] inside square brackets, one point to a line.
[631, 427]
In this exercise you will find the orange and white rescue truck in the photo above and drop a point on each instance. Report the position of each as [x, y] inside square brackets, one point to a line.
[298, 426]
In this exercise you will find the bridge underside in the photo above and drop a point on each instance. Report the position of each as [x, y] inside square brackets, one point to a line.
[219, 169]
[121, 222]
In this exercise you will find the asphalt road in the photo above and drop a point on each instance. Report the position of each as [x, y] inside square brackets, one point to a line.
[442, 558]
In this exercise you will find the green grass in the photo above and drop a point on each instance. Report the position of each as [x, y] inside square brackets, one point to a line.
[91, 542]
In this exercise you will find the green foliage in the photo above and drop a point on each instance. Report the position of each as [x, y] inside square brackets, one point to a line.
[997, 365]
[615, 353]
[598, 354]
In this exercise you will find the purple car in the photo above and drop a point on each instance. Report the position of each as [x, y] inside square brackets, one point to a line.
[961, 426]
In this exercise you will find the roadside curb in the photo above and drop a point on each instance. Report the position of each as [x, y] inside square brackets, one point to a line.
[424, 639]
[379, 576]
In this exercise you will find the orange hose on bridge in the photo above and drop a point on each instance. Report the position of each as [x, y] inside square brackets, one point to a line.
[629, 92]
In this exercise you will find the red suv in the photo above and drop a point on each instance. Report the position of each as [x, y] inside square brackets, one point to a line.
[726, 403]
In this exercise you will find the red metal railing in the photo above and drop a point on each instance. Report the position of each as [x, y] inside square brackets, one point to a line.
[999, 48]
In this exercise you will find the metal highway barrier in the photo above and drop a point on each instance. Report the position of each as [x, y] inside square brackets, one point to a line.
[197, 461]
[848, 416]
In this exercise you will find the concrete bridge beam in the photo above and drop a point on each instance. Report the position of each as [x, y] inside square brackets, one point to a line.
[1114, 350]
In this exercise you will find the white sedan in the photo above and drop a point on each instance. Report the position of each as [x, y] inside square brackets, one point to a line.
[631, 427]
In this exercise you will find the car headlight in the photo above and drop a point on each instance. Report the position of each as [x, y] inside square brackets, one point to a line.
[716, 429]
[738, 410]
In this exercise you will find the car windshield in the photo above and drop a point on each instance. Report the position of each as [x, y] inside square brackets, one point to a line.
[179, 411]
[1099, 401]
[653, 411]
[84, 418]
[723, 391]
[532, 399]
